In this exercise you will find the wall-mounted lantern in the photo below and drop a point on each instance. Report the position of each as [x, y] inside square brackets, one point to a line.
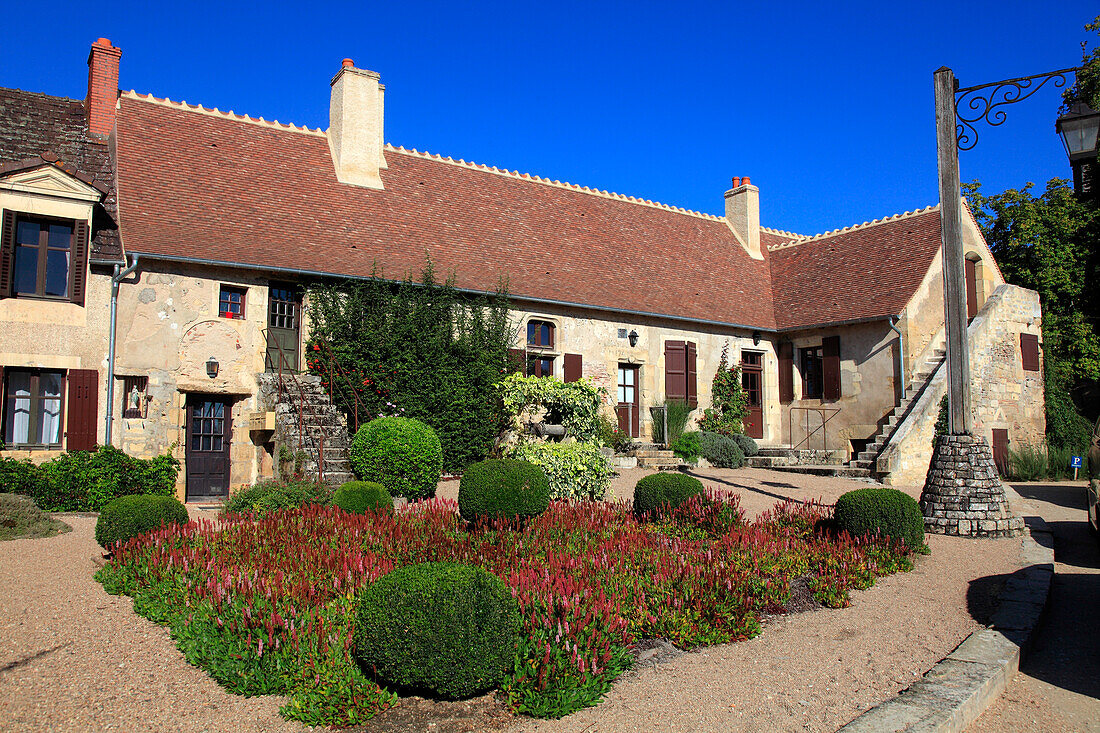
[755, 338]
[633, 338]
[211, 367]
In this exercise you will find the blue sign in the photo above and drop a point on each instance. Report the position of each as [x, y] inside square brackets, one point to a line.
[1075, 461]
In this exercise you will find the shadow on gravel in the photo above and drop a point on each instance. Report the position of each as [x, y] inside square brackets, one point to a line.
[1064, 495]
[705, 478]
[30, 658]
[983, 595]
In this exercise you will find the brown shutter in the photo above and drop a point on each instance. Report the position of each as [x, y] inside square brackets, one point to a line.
[80, 262]
[7, 253]
[675, 371]
[517, 361]
[572, 367]
[1029, 350]
[691, 378]
[82, 410]
[786, 372]
[830, 368]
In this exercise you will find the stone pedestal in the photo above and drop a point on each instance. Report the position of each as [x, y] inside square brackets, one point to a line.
[963, 494]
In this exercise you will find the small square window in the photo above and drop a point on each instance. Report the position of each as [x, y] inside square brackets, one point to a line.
[231, 302]
[540, 334]
[540, 366]
[135, 397]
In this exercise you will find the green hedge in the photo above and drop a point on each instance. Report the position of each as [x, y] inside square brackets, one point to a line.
[722, 451]
[270, 496]
[574, 470]
[130, 516]
[664, 491]
[502, 488]
[401, 453]
[360, 497]
[444, 628]
[888, 512]
[747, 445]
[87, 480]
[687, 446]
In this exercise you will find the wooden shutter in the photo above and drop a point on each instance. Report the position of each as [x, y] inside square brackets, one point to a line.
[786, 372]
[7, 253]
[517, 361]
[1029, 350]
[690, 374]
[82, 410]
[675, 371]
[80, 262]
[830, 368]
[572, 367]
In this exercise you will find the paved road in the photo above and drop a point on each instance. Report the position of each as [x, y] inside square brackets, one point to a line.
[1058, 687]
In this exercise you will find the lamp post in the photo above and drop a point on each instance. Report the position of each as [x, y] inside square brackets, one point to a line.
[1078, 128]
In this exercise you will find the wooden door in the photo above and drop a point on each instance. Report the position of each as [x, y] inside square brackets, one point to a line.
[752, 383]
[629, 405]
[1000, 450]
[209, 427]
[971, 289]
[284, 311]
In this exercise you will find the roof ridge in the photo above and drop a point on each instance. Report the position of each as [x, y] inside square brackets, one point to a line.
[42, 94]
[855, 227]
[555, 183]
[783, 233]
[230, 115]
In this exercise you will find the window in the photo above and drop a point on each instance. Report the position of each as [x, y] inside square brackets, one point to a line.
[32, 407]
[135, 397]
[43, 251]
[283, 305]
[681, 381]
[1029, 351]
[811, 373]
[540, 366]
[752, 375]
[231, 302]
[540, 334]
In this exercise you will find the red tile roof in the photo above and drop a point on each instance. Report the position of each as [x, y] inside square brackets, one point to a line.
[202, 185]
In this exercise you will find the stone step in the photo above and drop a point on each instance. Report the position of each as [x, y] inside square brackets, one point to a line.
[651, 453]
[660, 464]
[838, 471]
[767, 461]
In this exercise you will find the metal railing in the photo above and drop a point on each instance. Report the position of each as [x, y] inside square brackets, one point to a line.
[628, 410]
[333, 370]
[288, 378]
[663, 423]
[826, 414]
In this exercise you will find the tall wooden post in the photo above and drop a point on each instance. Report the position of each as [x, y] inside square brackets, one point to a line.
[954, 272]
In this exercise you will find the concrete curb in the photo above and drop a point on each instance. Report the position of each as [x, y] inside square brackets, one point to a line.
[956, 691]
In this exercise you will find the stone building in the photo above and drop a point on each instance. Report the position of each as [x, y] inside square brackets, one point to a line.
[154, 255]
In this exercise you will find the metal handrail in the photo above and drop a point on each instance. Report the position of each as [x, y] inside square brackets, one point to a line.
[282, 387]
[833, 412]
[330, 364]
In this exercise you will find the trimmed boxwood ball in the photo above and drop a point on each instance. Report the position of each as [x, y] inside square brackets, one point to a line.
[722, 451]
[360, 497]
[747, 445]
[506, 488]
[443, 628]
[889, 512]
[401, 453]
[130, 516]
[664, 489]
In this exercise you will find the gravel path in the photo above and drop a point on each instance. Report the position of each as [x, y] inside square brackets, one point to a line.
[74, 658]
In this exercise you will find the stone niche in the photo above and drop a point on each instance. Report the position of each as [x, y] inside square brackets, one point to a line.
[963, 494]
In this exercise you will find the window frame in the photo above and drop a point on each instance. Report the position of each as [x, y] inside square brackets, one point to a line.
[536, 358]
[43, 249]
[808, 357]
[550, 325]
[34, 411]
[231, 290]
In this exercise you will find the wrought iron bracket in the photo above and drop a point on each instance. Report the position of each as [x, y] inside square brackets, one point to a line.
[974, 104]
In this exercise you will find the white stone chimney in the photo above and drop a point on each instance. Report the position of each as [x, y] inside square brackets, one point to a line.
[743, 215]
[355, 126]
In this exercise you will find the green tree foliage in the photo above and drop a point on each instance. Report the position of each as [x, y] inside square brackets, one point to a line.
[417, 349]
[730, 405]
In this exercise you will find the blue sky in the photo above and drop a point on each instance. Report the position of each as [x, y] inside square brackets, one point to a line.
[827, 106]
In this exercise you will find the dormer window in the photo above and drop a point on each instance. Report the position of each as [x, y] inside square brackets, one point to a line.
[42, 257]
[540, 334]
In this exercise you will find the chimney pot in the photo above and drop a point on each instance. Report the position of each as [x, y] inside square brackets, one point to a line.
[736, 182]
[745, 181]
[103, 42]
[348, 63]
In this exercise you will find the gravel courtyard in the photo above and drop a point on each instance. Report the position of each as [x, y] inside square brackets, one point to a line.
[73, 658]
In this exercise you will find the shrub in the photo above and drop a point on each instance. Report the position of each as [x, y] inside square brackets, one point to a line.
[687, 446]
[608, 434]
[270, 496]
[21, 519]
[19, 476]
[728, 398]
[574, 470]
[445, 628]
[747, 445]
[360, 497]
[576, 405]
[1029, 463]
[129, 516]
[661, 492]
[721, 450]
[505, 488]
[401, 453]
[888, 512]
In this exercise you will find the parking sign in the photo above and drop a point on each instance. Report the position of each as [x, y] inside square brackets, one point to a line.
[1075, 461]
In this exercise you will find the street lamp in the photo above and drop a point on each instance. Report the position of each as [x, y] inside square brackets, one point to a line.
[1078, 128]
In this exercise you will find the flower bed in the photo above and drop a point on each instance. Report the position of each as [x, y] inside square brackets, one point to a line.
[267, 606]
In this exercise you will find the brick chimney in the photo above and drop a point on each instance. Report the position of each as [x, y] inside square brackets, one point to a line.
[743, 215]
[102, 100]
[355, 126]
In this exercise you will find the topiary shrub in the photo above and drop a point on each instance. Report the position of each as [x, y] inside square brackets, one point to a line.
[130, 516]
[502, 488]
[687, 446]
[444, 628]
[267, 497]
[21, 519]
[661, 492]
[401, 453]
[574, 470]
[360, 497]
[747, 445]
[888, 512]
[721, 451]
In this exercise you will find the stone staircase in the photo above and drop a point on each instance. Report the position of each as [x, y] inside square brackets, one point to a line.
[323, 429]
[812, 462]
[650, 455]
[922, 376]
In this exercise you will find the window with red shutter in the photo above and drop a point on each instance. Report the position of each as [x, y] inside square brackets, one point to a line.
[786, 372]
[83, 409]
[1029, 351]
[675, 370]
[571, 366]
[691, 374]
[830, 368]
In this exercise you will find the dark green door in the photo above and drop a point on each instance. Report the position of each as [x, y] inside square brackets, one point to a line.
[284, 315]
